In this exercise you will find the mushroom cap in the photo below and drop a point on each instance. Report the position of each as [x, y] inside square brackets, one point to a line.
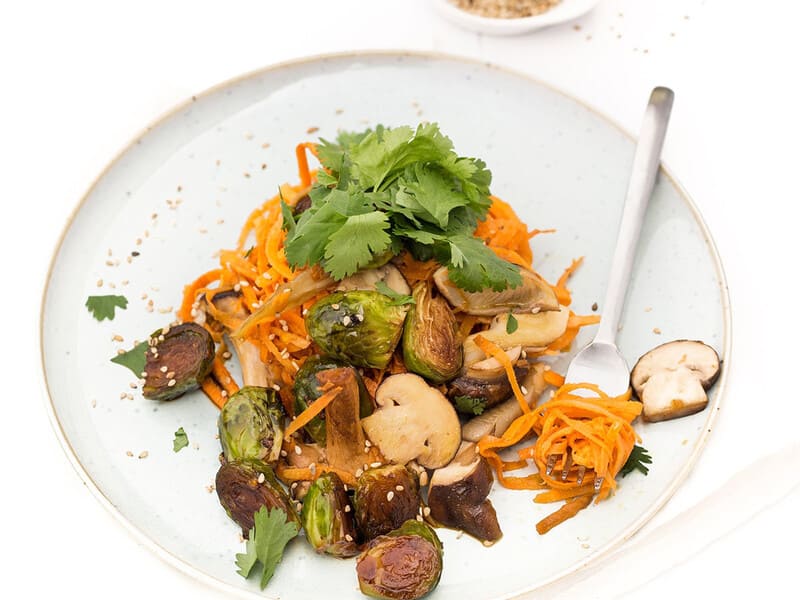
[672, 394]
[699, 358]
[533, 294]
[457, 496]
[413, 421]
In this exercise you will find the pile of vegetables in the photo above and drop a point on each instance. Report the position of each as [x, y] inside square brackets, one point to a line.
[392, 335]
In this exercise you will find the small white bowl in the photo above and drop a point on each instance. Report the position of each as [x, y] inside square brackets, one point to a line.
[567, 10]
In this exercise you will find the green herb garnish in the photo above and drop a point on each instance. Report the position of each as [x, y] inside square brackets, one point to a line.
[512, 324]
[268, 538]
[470, 405]
[397, 298]
[181, 440]
[134, 359]
[637, 460]
[384, 190]
[102, 307]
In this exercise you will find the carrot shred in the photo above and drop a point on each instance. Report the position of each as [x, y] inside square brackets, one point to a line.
[223, 377]
[190, 293]
[560, 288]
[312, 411]
[292, 474]
[569, 510]
[553, 378]
[492, 349]
[213, 391]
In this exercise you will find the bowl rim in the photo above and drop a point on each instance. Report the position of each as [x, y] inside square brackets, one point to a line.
[179, 563]
[556, 15]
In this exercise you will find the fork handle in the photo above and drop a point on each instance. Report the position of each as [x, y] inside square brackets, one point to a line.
[646, 161]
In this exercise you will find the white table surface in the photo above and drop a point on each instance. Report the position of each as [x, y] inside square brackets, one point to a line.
[81, 78]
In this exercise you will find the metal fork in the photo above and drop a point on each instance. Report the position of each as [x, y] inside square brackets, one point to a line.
[601, 362]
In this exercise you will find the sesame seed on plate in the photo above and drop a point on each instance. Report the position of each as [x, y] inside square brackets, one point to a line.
[426, 511]
[171, 383]
[144, 454]
[399, 488]
[335, 306]
[164, 369]
[389, 496]
[261, 478]
[298, 450]
[348, 537]
[346, 508]
[375, 465]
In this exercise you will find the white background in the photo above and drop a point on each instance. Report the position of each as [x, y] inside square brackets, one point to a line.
[81, 78]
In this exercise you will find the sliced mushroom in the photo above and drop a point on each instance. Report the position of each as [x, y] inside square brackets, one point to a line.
[496, 420]
[367, 279]
[483, 388]
[533, 332]
[344, 439]
[671, 379]
[458, 494]
[533, 295]
[229, 312]
[413, 421]
[489, 368]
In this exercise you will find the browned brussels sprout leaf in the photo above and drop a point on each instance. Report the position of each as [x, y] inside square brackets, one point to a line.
[244, 487]
[385, 498]
[430, 337]
[327, 517]
[406, 564]
[178, 359]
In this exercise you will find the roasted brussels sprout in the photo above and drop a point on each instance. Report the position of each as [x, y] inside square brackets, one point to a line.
[430, 336]
[243, 487]
[385, 498]
[360, 327]
[251, 425]
[404, 565]
[327, 517]
[178, 358]
[306, 390]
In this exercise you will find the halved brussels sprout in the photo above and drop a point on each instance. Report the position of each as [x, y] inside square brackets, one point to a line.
[430, 337]
[307, 390]
[406, 564]
[360, 327]
[178, 358]
[251, 425]
[385, 498]
[327, 517]
[243, 487]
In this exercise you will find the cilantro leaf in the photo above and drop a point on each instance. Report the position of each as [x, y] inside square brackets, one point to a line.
[102, 307]
[475, 266]
[134, 359]
[267, 540]
[397, 298]
[389, 189]
[639, 457]
[470, 405]
[355, 243]
[181, 440]
[247, 560]
[511, 324]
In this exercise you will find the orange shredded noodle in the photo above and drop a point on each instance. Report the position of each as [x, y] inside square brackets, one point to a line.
[581, 440]
[312, 411]
[500, 356]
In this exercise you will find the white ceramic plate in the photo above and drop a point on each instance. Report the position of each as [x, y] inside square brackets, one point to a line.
[567, 10]
[558, 162]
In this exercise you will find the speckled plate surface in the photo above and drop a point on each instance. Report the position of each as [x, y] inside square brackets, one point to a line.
[181, 191]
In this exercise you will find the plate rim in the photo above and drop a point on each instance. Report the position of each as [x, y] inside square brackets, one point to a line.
[186, 568]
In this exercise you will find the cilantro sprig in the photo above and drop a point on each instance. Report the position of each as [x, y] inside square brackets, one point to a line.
[267, 540]
[638, 458]
[384, 190]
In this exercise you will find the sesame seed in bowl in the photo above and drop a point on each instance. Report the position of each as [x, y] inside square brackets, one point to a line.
[511, 17]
